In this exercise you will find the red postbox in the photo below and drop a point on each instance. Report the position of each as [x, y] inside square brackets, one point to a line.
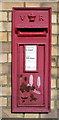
[31, 59]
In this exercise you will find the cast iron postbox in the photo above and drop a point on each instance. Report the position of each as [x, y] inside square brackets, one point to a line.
[31, 58]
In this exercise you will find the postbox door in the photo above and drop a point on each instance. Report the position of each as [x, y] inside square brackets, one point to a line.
[30, 90]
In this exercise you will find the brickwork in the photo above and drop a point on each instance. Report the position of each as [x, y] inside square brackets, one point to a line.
[5, 59]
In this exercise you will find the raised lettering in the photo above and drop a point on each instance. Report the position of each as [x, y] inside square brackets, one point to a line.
[41, 18]
[22, 18]
[31, 18]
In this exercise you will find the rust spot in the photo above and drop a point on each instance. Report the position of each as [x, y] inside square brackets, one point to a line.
[21, 75]
[24, 87]
[33, 87]
[32, 97]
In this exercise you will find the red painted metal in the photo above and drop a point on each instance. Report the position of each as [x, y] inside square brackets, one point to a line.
[31, 26]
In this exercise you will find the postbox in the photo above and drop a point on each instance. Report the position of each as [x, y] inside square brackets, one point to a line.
[31, 59]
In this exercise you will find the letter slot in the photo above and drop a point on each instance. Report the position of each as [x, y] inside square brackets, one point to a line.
[31, 32]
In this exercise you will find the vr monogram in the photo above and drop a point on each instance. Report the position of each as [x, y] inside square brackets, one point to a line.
[32, 18]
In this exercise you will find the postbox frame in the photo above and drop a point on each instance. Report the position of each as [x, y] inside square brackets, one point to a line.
[16, 108]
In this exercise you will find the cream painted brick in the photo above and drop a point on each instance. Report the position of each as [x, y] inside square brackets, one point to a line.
[54, 61]
[57, 83]
[58, 50]
[0, 68]
[54, 18]
[58, 18]
[58, 11]
[0, 112]
[5, 26]
[52, 114]
[6, 113]
[1, 26]
[57, 104]
[20, 115]
[3, 36]
[31, 115]
[54, 39]
[57, 28]
[3, 80]
[58, 61]
[9, 26]
[32, 4]
[54, 94]
[53, 83]
[9, 102]
[10, 16]
[3, 101]
[3, 91]
[3, 58]
[3, 16]
[0, 5]
[0, 101]
[54, 50]
[9, 79]
[54, 29]
[58, 94]
[6, 68]
[57, 72]
[9, 36]
[8, 91]
[58, 39]
[9, 5]
[54, 72]
[52, 105]
[52, 5]
[9, 57]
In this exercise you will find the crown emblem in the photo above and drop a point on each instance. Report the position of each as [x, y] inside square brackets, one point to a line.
[31, 18]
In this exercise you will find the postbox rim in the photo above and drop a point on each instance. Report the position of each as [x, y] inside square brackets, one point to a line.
[31, 8]
[15, 54]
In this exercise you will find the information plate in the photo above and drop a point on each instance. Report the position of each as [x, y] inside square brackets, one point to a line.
[30, 57]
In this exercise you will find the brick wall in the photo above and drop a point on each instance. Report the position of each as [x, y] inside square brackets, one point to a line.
[5, 59]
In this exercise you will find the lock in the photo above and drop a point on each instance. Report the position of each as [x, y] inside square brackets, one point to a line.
[31, 59]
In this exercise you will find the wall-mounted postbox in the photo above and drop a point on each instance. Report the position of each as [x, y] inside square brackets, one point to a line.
[31, 57]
